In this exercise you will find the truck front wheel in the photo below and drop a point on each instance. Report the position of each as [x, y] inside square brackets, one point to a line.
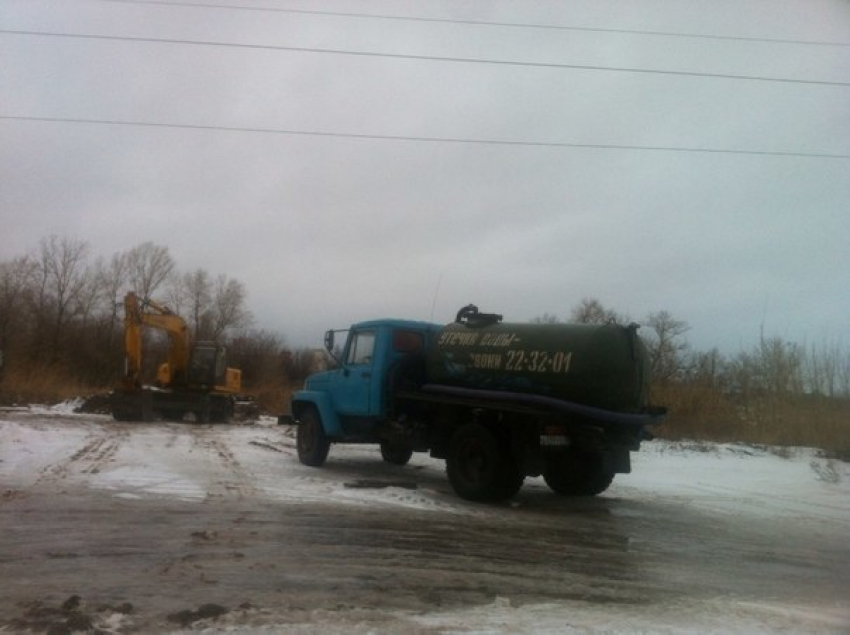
[312, 442]
[395, 454]
[478, 469]
[577, 474]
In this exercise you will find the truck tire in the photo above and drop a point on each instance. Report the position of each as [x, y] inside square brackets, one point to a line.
[395, 454]
[578, 474]
[478, 468]
[512, 478]
[312, 442]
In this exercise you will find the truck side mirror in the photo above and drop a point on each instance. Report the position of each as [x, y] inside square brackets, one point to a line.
[329, 341]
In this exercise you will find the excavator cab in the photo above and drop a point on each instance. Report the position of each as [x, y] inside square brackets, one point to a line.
[207, 371]
[207, 366]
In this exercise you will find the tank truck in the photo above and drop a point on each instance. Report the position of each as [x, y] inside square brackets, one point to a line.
[497, 401]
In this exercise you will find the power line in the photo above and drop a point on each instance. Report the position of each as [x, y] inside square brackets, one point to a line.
[517, 25]
[426, 58]
[420, 139]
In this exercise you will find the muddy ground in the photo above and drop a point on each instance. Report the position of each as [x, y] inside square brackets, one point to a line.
[220, 527]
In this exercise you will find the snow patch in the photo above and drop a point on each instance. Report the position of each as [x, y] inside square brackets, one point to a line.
[67, 407]
[720, 615]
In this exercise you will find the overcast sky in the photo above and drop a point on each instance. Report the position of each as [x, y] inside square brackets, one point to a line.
[382, 214]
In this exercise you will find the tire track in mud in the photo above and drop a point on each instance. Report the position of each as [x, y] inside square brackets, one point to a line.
[172, 439]
[274, 446]
[237, 481]
[98, 451]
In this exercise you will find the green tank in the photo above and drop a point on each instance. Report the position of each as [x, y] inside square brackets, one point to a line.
[600, 366]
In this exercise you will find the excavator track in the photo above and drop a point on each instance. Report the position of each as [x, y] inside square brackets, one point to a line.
[151, 404]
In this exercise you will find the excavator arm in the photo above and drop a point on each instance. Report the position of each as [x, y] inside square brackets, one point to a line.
[141, 314]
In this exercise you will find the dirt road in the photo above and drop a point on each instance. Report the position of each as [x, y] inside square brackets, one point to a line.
[165, 527]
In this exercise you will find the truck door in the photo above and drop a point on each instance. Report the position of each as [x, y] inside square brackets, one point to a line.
[355, 378]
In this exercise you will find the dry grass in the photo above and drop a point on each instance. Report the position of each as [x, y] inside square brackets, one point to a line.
[695, 412]
[53, 385]
[780, 420]
[48, 385]
[272, 397]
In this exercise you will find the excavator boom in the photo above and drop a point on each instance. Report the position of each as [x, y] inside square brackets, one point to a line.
[141, 314]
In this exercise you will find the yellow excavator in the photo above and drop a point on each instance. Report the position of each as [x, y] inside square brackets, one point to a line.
[194, 381]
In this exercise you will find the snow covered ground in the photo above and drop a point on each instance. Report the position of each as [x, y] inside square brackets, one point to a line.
[727, 478]
[730, 485]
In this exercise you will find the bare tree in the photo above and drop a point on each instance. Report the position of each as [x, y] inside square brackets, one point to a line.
[591, 311]
[823, 366]
[260, 355]
[15, 282]
[55, 306]
[112, 281]
[149, 266]
[112, 278]
[780, 366]
[228, 307]
[198, 289]
[65, 275]
[546, 318]
[843, 375]
[667, 347]
[299, 364]
[174, 296]
[706, 368]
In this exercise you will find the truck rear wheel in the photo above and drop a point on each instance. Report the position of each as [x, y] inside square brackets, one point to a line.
[395, 453]
[578, 474]
[478, 468]
[312, 442]
[511, 479]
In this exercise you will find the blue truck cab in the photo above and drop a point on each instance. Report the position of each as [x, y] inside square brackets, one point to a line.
[351, 403]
